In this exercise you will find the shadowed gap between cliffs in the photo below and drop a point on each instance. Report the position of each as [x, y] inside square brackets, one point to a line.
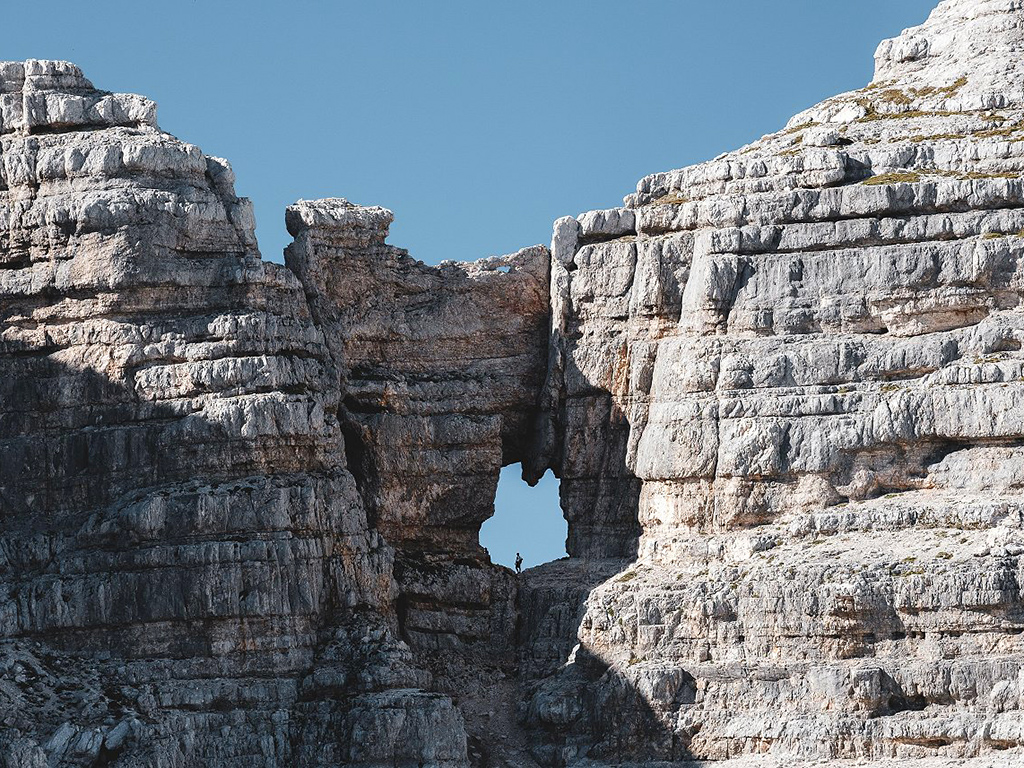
[524, 628]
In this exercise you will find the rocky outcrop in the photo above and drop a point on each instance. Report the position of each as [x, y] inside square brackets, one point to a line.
[187, 574]
[782, 390]
[804, 361]
[441, 369]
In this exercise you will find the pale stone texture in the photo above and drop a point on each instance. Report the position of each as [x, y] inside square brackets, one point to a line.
[187, 574]
[783, 390]
[804, 371]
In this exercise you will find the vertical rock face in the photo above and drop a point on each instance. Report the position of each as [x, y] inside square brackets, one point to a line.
[805, 361]
[185, 560]
[442, 367]
[602, 343]
[783, 390]
[442, 370]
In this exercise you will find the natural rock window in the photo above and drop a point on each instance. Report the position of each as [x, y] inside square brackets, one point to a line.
[241, 503]
[526, 520]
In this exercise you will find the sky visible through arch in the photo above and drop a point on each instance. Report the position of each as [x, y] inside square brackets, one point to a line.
[477, 123]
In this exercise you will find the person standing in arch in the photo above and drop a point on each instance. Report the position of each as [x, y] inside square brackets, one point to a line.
[519, 563]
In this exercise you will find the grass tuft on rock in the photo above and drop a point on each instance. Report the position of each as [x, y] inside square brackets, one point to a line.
[672, 198]
[907, 177]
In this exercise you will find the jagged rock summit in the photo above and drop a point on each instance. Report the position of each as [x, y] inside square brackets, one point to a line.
[783, 390]
[975, 39]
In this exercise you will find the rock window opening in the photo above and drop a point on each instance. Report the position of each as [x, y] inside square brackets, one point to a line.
[526, 520]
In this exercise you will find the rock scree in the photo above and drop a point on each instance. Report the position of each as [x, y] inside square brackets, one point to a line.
[783, 391]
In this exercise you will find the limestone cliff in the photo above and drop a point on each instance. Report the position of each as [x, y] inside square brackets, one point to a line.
[804, 360]
[783, 390]
[187, 574]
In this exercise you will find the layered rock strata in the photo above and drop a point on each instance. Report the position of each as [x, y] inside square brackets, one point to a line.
[187, 574]
[806, 359]
[782, 390]
[441, 370]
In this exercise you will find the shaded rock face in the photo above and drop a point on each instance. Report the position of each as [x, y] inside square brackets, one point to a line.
[441, 369]
[782, 390]
[187, 575]
[442, 366]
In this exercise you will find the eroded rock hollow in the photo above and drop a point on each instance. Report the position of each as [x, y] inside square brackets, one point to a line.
[783, 391]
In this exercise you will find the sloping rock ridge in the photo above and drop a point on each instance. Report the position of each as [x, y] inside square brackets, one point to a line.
[783, 391]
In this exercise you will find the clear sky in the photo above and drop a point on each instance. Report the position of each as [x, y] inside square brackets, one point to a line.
[477, 122]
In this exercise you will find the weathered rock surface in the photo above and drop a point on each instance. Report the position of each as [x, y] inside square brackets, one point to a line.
[442, 368]
[187, 574]
[783, 390]
[804, 360]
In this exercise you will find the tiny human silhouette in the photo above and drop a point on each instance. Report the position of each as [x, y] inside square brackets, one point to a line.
[519, 563]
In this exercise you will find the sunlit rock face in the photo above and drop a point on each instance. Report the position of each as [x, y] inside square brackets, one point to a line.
[804, 359]
[187, 575]
[783, 390]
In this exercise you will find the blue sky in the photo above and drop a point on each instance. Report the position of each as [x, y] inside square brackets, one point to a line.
[478, 123]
